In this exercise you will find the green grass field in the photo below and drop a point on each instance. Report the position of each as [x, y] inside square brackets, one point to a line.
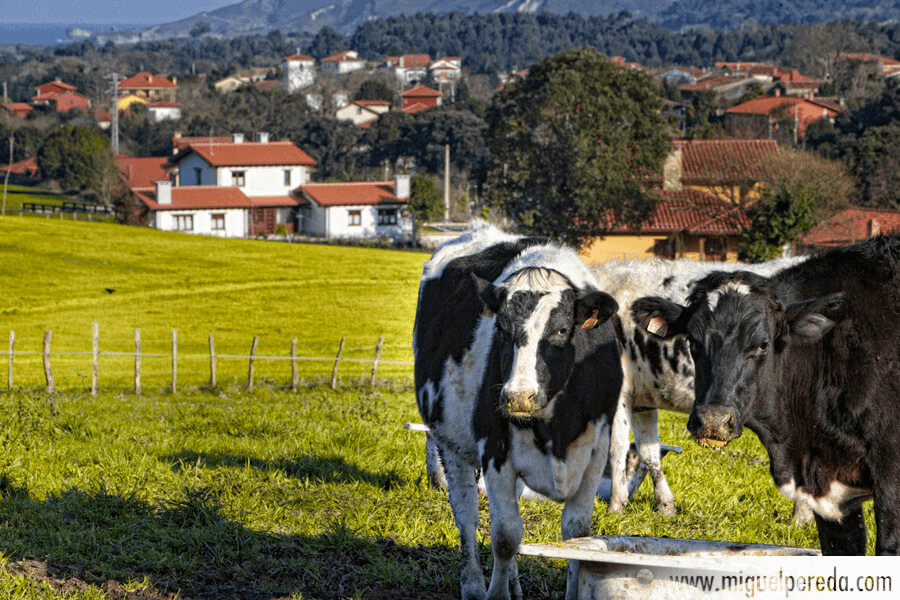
[232, 494]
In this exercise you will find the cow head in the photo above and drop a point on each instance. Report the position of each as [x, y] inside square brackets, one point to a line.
[539, 320]
[738, 329]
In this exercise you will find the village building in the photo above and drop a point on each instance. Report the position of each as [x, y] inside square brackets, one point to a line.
[363, 112]
[419, 98]
[149, 87]
[849, 226]
[163, 110]
[343, 63]
[357, 210]
[299, 72]
[760, 117]
[60, 96]
[408, 69]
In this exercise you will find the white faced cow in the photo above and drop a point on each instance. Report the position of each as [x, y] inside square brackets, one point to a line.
[658, 374]
[808, 360]
[516, 374]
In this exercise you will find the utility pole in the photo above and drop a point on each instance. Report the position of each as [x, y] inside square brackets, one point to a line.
[114, 133]
[12, 140]
[446, 182]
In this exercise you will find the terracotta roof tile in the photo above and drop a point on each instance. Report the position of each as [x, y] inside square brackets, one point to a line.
[421, 91]
[250, 154]
[729, 159]
[850, 226]
[693, 211]
[351, 194]
[141, 173]
[299, 57]
[145, 80]
[196, 197]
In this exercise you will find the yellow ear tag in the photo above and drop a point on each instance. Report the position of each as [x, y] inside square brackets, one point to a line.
[657, 326]
[591, 321]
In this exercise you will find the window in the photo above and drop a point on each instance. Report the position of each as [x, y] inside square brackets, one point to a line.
[354, 217]
[184, 222]
[238, 178]
[387, 216]
[287, 177]
[198, 173]
[217, 222]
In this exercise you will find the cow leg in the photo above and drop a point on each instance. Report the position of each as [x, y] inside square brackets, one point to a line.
[618, 453]
[887, 513]
[463, 493]
[434, 467]
[646, 437]
[506, 532]
[579, 508]
[846, 537]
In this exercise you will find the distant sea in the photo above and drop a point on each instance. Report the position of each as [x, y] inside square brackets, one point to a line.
[51, 34]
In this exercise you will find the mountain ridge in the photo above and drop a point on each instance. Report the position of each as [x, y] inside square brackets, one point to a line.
[252, 17]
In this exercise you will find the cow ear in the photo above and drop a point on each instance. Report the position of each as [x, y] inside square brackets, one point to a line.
[660, 317]
[592, 309]
[805, 321]
[491, 296]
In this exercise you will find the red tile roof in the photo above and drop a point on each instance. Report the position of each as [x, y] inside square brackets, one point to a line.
[19, 109]
[714, 82]
[764, 105]
[144, 80]
[299, 57]
[421, 91]
[141, 173]
[28, 167]
[163, 104]
[180, 142]
[345, 56]
[852, 225]
[692, 211]
[417, 107]
[413, 61]
[351, 194]
[195, 197]
[54, 87]
[729, 159]
[249, 154]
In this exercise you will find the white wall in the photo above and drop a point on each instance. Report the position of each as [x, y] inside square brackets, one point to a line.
[264, 181]
[235, 221]
[333, 223]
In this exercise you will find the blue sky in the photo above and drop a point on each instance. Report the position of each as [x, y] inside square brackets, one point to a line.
[104, 11]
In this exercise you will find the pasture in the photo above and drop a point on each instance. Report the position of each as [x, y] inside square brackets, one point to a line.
[219, 492]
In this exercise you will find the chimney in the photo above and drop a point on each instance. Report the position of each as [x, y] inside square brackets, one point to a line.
[874, 228]
[163, 192]
[401, 186]
[262, 137]
[237, 138]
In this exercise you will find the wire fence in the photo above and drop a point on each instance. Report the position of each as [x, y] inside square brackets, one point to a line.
[169, 365]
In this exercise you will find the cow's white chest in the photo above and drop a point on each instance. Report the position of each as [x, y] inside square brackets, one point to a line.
[830, 504]
[544, 473]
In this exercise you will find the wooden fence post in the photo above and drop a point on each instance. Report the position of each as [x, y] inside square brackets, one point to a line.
[48, 372]
[9, 370]
[212, 361]
[174, 359]
[377, 360]
[252, 357]
[95, 356]
[336, 361]
[295, 379]
[137, 362]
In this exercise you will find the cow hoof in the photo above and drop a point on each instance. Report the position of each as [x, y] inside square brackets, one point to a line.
[615, 508]
[803, 514]
[667, 509]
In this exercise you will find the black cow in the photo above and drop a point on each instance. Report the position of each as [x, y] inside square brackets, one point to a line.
[808, 359]
[510, 335]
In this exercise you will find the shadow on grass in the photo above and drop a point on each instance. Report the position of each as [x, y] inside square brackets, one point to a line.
[187, 549]
[306, 467]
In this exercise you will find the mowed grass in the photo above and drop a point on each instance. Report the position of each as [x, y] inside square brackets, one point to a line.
[315, 494]
[62, 276]
[224, 493]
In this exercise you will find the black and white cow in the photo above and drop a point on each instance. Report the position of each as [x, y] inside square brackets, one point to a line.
[516, 374]
[808, 360]
[658, 374]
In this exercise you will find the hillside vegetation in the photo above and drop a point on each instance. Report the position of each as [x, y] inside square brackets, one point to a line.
[62, 276]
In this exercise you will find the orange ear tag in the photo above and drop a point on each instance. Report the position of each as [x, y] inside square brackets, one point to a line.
[591, 321]
[658, 326]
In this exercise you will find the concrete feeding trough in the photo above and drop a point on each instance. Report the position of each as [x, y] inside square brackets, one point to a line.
[623, 567]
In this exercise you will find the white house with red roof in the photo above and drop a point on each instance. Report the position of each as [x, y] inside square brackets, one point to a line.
[408, 68]
[362, 112]
[163, 110]
[343, 62]
[230, 189]
[357, 210]
[299, 72]
[149, 86]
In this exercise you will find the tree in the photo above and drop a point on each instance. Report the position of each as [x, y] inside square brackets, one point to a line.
[827, 182]
[426, 202]
[374, 89]
[76, 157]
[573, 144]
[780, 217]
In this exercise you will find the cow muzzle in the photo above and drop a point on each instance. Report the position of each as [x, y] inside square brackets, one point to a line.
[713, 426]
[524, 404]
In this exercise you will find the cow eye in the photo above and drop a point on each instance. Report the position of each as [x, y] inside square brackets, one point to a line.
[760, 350]
[563, 332]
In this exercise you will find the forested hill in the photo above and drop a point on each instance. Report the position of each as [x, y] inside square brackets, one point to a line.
[258, 17]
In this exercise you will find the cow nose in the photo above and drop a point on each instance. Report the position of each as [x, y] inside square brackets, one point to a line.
[713, 426]
[521, 402]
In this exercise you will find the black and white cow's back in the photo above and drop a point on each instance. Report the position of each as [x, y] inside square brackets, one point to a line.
[658, 374]
[516, 376]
